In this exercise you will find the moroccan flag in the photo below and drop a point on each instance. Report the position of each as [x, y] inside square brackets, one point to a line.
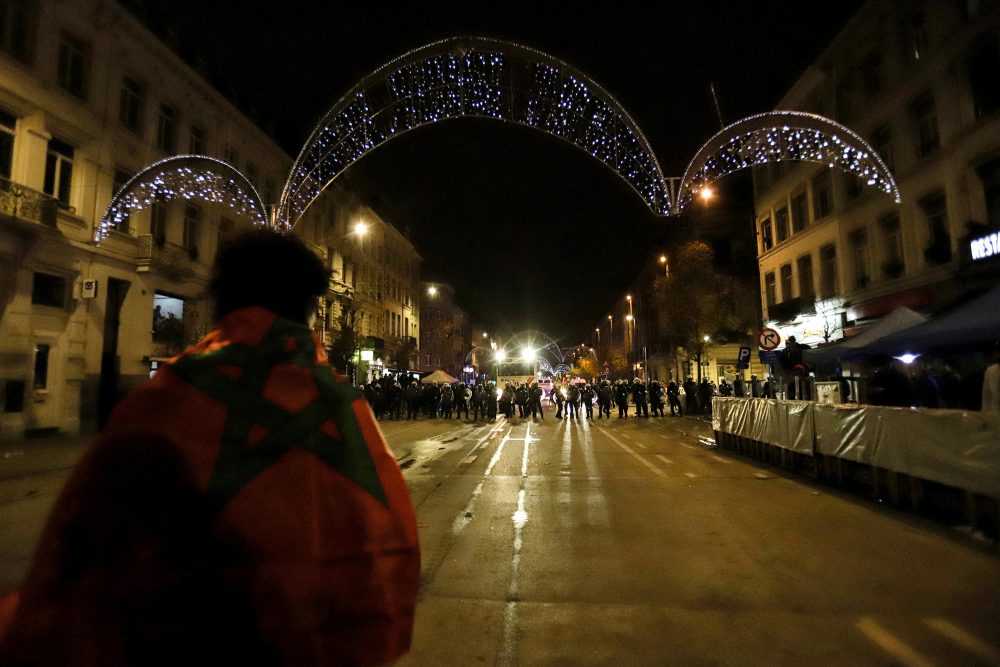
[245, 498]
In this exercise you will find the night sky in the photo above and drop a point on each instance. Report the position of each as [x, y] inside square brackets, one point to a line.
[531, 231]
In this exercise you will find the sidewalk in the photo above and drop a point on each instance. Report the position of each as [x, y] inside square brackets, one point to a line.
[34, 456]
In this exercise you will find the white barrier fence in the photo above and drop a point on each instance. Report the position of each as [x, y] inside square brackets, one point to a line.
[952, 447]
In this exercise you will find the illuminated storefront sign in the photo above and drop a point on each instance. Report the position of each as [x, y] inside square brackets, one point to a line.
[985, 246]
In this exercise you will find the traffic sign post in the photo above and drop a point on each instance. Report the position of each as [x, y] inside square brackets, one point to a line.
[768, 339]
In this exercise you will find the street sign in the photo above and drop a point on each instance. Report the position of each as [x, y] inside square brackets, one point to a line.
[768, 339]
[743, 360]
[768, 357]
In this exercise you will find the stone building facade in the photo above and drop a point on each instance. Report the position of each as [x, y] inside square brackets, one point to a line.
[919, 81]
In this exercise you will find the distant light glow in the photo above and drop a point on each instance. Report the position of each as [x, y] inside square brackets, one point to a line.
[500, 355]
[706, 194]
[432, 290]
[908, 358]
[528, 353]
[360, 228]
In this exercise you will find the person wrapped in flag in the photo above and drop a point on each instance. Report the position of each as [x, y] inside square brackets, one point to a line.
[242, 506]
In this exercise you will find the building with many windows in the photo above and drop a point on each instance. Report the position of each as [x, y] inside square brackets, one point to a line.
[919, 81]
[447, 334]
[375, 278]
[88, 98]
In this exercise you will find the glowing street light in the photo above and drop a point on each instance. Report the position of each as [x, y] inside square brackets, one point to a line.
[706, 194]
[528, 353]
[500, 355]
[666, 265]
[360, 228]
[432, 291]
[706, 338]
[485, 335]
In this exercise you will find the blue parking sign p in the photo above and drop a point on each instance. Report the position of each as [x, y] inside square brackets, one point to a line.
[743, 360]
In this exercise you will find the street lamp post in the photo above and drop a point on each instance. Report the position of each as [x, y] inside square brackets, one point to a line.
[631, 329]
[630, 322]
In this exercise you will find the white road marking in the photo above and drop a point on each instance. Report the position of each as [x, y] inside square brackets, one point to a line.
[964, 639]
[891, 644]
[639, 444]
[638, 458]
[720, 459]
[760, 475]
[684, 444]
[664, 459]
[465, 516]
[691, 475]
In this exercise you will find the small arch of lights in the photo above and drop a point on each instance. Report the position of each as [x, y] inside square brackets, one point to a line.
[473, 77]
[187, 177]
[783, 136]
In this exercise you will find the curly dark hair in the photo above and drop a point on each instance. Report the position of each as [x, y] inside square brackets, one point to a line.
[264, 268]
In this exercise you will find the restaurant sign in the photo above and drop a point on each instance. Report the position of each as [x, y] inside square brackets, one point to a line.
[985, 246]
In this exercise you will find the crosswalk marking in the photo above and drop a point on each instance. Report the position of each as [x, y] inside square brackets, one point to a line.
[963, 639]
[691, 475]
[891, 644]
[664, 459]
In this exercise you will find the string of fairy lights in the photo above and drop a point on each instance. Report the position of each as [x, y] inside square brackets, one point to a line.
[487, 79]
[784, 136]
[473, 77]
[785, 144]
[189, 177]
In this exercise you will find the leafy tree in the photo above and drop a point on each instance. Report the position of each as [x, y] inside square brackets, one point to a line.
[345, 342]
[619, 365]
[585, 367]
[696, 300]
[404, 353]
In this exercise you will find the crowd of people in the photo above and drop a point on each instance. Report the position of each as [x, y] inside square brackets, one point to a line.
[399, 397]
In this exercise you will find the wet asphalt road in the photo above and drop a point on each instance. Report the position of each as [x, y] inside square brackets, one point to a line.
[635, 542]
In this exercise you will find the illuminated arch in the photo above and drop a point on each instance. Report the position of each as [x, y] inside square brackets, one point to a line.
[782, 136]
[537, 340]
[473, 77]
[184, 176]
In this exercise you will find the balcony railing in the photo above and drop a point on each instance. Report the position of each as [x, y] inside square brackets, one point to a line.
[787, 310]
[155, 253]
[19, 201]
